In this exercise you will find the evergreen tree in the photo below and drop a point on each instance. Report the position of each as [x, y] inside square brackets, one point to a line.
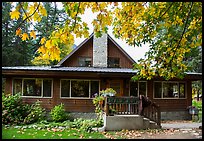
[15, 52]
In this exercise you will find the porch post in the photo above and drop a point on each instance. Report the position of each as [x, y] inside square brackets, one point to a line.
[106, 106]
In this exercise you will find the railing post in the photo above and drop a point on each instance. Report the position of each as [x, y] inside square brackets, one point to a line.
[106, 106]
[159, 116]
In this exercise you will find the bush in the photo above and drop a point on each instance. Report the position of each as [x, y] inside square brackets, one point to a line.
[13, 109]
[15, 112]
[58, 113]
[197, 104]
[86, 124]
[36, 113]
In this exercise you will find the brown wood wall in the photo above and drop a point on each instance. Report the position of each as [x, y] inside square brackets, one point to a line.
[113, 51]
[87, 51]
[86, 105]
[8, 85]
[171, 104]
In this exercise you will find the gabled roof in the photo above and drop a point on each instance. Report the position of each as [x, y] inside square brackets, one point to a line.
[80, 45]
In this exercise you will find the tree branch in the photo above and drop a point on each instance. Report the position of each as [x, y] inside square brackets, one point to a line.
[174, 53]
[27, 17]
[185, 24]
[166, 10]
[76, 17]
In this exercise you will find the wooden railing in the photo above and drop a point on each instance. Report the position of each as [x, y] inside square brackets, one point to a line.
[153, 113]
[131, 106]
[121, 105]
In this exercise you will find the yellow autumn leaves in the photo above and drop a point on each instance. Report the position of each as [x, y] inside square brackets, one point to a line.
[164, 24]
[48, 50]
[25, 36]
[31, 11]
[15, 14]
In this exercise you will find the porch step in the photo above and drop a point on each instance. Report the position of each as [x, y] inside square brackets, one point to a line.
[146, 123]
[129, 122]
[153, 125]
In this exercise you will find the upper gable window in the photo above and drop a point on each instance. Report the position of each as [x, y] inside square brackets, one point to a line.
[113, 62]
[85, 62]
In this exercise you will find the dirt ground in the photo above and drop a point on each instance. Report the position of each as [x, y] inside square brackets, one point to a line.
[173, 133]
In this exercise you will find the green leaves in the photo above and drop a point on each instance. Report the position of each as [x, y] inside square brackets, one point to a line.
[58, 113]
[171, 28]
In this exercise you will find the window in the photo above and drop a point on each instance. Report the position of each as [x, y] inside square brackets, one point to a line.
[47, 87]
[138, 88]
[79, 88]
[142, 88]
[182, 90]
[133, 89]
[17, 86]
[65, 88]
[169, 90]
[85, 62]
[33, 87]
[94, 88]
[113, 62]
[157, 89]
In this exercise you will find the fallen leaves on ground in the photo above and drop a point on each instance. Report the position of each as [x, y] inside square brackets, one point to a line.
[144, 134]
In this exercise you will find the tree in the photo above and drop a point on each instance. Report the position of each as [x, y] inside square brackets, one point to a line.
[14, 50]
[173, 29]
[55, 17]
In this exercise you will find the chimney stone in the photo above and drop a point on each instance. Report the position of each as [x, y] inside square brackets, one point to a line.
[100, 51]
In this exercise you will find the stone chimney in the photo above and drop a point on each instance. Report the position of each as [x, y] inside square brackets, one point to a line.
[100, 51]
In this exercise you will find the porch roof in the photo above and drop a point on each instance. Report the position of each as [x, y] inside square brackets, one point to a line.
[71, 69]
[43, 70]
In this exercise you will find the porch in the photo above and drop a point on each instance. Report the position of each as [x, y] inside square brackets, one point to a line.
[130, 113]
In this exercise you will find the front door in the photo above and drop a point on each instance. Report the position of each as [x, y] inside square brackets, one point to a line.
[117, 85]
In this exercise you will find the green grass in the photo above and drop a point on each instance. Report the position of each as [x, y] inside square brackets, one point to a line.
[30, 133]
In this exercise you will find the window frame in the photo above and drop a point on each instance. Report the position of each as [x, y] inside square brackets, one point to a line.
[84, 57]
[178, 83]
[70, 95]
[138, 91]
[108, 62]
[41, 96]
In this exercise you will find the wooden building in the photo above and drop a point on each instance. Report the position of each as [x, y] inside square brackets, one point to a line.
[96, 64]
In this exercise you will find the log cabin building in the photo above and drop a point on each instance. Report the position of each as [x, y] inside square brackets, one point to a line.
[94, 65]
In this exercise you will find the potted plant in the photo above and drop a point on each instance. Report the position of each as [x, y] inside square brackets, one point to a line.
[108, 92]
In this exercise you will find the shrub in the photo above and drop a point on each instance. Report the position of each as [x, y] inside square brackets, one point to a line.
[97, 103]
[197, 104]
[15, 112]
[36, 113]
[58, 113]
[13, 109]
[86, 124]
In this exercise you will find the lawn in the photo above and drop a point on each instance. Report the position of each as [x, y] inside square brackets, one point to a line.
[48, 133]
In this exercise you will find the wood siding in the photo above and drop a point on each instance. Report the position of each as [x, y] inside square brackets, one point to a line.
[86, 50]
[171, 104]
[8, 85]
[86, 105]
[114, 51]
